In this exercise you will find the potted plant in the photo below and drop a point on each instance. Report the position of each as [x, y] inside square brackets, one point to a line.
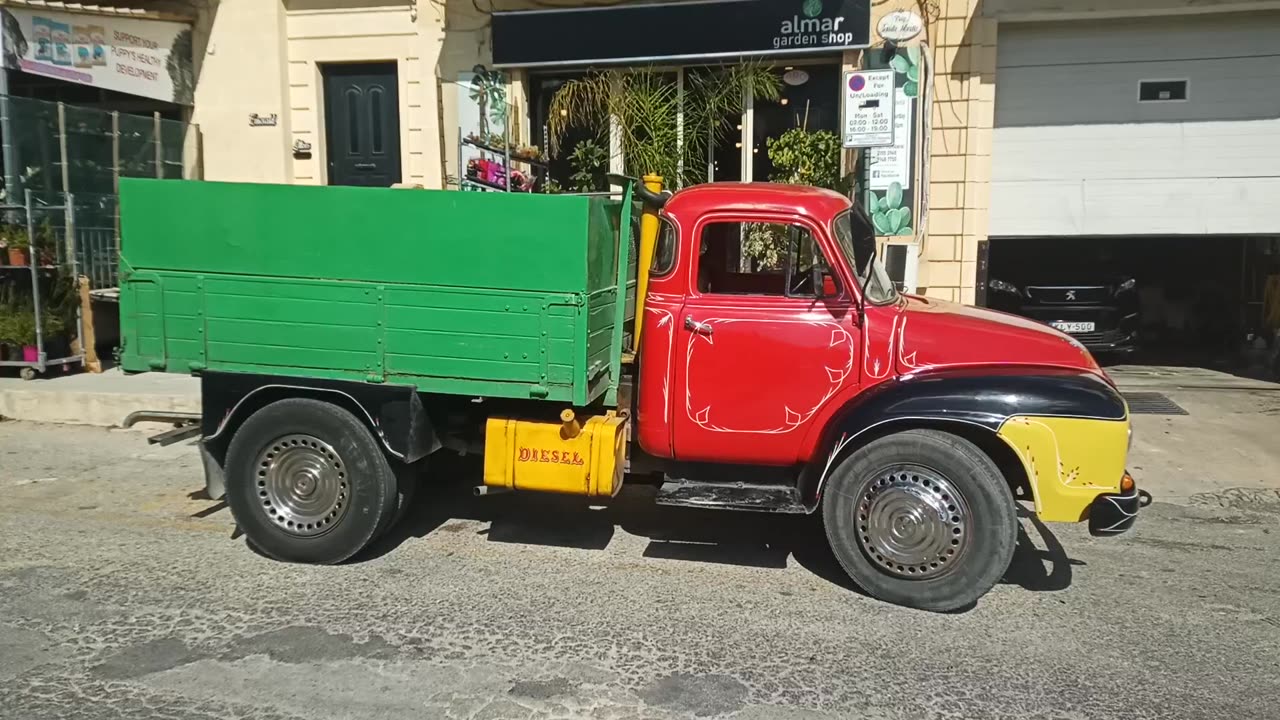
[6, 333]
[19, 245]
[42, 250]
[590, 162]
[56, 342]
[18, 334]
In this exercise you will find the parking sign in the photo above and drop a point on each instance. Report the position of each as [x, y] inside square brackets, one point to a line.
[868, 108]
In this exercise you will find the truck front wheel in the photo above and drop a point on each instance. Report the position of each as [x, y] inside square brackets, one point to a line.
[307, 482]
[921, 518]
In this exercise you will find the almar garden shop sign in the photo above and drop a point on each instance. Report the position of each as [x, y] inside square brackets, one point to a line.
[678, 31]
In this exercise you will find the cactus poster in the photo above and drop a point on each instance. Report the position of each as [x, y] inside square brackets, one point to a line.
[891, 169]
[482, 118]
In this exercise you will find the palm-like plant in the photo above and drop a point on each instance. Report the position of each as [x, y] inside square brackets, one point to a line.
[646, 107]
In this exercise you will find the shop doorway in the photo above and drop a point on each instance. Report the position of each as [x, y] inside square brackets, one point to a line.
[809, 99]
[362, 121]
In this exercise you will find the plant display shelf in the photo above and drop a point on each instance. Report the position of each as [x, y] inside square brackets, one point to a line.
[30, 369]
[506, 157]
[505, 152]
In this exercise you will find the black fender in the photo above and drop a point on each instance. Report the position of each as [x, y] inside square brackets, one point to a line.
[393, 413]
[973, 403]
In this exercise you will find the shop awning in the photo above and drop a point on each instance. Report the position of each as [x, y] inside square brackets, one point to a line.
[678, 31]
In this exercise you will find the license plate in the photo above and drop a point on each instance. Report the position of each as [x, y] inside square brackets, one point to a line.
[1074, 327]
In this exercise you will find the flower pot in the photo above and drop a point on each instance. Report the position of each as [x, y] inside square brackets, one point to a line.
[30, 353]
[18, 257]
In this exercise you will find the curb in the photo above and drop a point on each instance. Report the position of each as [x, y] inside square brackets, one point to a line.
[87, 408]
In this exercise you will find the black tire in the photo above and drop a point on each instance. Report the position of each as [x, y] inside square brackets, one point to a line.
[881, 481]
[369, 484]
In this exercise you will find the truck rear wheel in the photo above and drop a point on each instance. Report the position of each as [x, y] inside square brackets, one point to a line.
[307, 482]
[921, 518]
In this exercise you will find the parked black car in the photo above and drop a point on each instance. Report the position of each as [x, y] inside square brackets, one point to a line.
[1102, 316]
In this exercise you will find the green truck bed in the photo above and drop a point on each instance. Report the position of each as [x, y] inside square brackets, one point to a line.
[486, 294]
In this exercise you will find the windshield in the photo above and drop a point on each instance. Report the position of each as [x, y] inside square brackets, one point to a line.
[858, 243]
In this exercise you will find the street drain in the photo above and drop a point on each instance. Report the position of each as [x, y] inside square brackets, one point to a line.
[1152, 403]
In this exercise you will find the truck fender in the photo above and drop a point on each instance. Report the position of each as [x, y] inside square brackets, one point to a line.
[394, 414]
[973, 403]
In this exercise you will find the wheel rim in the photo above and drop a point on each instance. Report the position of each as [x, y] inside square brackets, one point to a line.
[302, 483]
[913, 522]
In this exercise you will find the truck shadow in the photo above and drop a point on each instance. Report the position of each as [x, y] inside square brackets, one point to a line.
[746, 539]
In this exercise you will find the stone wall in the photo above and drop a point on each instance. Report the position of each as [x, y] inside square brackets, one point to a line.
[963, 43]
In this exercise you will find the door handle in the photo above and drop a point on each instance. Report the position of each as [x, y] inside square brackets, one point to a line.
[699, 327]
[366, 166]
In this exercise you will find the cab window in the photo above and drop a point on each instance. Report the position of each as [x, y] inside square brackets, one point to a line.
[758, 258]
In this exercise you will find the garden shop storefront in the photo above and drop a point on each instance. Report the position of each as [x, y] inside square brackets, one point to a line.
[695, 91]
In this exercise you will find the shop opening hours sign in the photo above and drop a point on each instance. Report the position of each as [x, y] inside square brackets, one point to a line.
[868, 108]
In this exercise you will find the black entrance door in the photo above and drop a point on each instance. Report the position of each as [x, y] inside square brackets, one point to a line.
[362, 121]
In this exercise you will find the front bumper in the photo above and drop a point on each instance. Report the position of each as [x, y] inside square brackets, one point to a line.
[1108, 341]
[1115, 514]
[1115, 327]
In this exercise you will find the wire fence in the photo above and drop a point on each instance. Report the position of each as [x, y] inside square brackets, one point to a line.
[53, 149]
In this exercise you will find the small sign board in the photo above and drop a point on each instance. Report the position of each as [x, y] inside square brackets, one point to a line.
[256, 120]
[899, 26]
[868, 108]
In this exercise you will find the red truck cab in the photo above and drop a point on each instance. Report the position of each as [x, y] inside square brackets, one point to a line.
[746, 361]
[772, 336]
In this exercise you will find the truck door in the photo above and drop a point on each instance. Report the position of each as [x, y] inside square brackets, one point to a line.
[764, 339]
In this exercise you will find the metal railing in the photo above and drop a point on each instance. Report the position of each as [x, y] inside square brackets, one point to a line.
[55, 150]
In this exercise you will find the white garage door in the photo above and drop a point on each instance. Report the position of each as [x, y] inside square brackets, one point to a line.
[1156, 126]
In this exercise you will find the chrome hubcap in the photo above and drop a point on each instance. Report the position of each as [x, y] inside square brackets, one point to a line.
[913, 523]
[302, 483]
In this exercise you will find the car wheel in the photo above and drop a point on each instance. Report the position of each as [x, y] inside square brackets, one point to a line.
[921, 518]
[307, 482]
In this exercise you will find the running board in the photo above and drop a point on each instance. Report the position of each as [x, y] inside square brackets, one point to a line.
[731, 496]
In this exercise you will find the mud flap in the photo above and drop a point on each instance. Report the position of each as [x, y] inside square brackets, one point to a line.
[215, 481]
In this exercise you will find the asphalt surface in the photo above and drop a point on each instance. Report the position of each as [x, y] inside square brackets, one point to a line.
[123, 594]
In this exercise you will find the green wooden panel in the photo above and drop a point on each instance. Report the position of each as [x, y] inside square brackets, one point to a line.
[146, 317]
[427, 343]
[454, 367]
[422, 237]
[485, 294]
[492, 323]
[224, 355]
[270, 333]
[182, 302]
[184, 352]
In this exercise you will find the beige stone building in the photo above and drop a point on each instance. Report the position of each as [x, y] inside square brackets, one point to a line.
[1119, 126]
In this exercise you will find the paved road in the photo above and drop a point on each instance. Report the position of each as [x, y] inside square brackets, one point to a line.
[123, 597]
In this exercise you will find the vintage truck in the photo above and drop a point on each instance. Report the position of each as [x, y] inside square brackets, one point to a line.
[749, 354]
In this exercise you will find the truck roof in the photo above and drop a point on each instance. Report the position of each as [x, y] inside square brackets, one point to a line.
[737, 196]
